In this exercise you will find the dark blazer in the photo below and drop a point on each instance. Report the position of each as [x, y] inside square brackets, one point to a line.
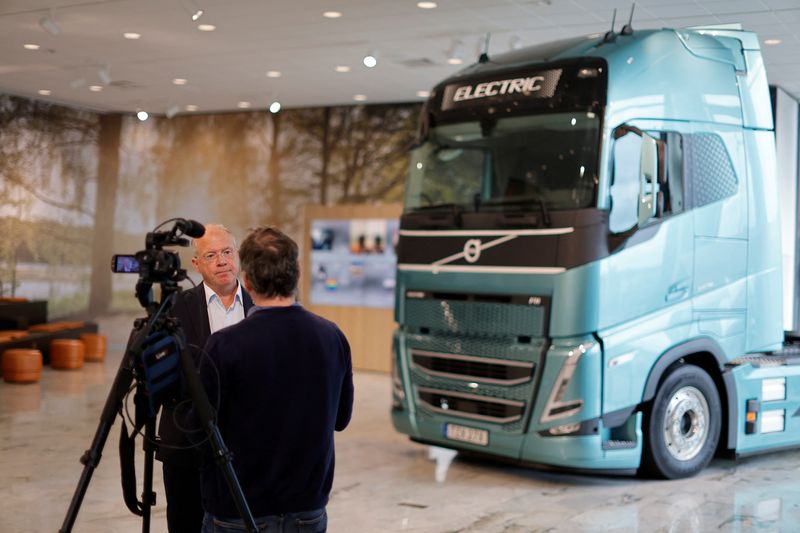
[191, 309]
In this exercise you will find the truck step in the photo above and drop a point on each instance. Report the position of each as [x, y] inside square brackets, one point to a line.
[765, 360]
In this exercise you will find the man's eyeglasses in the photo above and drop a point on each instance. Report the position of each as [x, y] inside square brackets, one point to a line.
[226, 254]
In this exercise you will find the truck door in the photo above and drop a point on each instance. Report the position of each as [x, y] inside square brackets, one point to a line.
[715, 171]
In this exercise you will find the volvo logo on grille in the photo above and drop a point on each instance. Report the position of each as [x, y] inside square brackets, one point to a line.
[472, 250]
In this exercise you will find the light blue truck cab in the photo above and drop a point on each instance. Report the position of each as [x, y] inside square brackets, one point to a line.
[589, 261]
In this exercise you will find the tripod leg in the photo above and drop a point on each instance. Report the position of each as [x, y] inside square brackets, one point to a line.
[148, 494]
[91, 458]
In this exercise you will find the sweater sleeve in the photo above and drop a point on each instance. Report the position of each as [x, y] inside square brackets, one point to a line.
[345, 410]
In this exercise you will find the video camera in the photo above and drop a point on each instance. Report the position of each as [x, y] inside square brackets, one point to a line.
[156, 265]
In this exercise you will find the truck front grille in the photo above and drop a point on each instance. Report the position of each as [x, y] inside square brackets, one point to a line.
[472, 368]
[472, 406]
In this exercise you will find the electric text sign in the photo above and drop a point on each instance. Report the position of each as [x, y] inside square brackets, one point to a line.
[537, 85]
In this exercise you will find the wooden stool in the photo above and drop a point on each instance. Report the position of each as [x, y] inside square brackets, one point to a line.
[94, 346]
[22, 365]
[66, 354]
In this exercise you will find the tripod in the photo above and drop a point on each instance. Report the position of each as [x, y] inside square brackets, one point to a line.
[131, 369]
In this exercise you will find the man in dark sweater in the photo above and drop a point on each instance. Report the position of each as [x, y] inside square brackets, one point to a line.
[283, 378]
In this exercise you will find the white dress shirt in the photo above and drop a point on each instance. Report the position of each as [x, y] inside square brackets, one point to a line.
[218, 316]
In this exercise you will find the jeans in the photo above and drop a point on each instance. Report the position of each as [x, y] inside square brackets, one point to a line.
[303, 522]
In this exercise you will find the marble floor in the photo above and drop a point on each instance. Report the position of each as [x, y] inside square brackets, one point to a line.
[384, 482]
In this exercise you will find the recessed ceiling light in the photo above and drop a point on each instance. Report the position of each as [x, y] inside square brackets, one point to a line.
[95, 88]
[206, 27]
[243, 105]
[342, 68]
[427, 5]
[332, 14]
[142, 115]
[274, 74]
[31, 46]
[191, 107]
[359, 97]
[45, 92]
[179, 81]
[423, 94]
[132, 35]
[455, 60]
[274, 107]
[593, 35]
[772, 41]
[370, 60]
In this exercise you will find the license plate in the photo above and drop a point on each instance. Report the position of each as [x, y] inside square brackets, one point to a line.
[465, 434]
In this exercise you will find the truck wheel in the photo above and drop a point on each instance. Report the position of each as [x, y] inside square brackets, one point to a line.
[682, 427]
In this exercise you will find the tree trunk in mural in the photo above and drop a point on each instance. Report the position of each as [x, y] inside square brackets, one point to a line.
[275, 190]
[106, 202]
[326, 156]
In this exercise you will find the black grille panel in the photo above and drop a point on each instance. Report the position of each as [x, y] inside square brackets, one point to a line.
[471, 406]
[472, 368]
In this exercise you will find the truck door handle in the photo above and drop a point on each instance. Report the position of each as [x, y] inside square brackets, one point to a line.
[677, 291]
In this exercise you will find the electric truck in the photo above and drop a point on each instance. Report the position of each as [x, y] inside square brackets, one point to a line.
[589, 270]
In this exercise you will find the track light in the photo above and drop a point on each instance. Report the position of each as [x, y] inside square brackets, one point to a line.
[371, 59]
[455, 55]
[197, 14]
[48, 24]
[104, 74]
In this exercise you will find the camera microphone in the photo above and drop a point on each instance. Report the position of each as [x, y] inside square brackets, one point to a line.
[191, 228]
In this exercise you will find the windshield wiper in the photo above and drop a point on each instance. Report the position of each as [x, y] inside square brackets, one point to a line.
[529, 200]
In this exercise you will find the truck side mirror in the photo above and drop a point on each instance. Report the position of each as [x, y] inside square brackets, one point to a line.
[648, 179]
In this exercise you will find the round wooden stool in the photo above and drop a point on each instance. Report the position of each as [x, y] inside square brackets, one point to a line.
[22, 365]
[94, 346]
[66, 354]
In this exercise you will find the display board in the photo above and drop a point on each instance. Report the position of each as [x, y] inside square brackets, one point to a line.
[349, 275]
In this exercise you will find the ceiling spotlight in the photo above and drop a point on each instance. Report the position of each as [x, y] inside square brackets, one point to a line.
[772, 42]
[342, 68]
[427, 5]
[31, 46]
[206, 27]
[142, 115]
[423, 94]
[48, 24]
[172, 111]
[371, 59]
[179, 81]
[455, 55]
[191, 107]
[197, 14]
[95, 88]
[104, 74]
[132, 35]
[332, 14]
[274, 74]
[45, 92]
[243, 105]
[360, 97]
[274, 107]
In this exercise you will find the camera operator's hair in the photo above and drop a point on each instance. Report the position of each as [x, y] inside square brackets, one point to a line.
[269, 259]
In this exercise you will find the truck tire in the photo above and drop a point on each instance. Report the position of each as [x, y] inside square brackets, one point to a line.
[682, 426]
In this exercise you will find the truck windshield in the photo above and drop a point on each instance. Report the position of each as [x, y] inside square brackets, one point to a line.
[542, 160]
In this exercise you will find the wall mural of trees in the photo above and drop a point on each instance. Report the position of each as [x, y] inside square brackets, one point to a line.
[77, 187]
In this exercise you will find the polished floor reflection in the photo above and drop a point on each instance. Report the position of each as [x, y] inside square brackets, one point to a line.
[383, 481]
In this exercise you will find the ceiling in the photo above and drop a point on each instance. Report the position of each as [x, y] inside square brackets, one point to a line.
[228, 65]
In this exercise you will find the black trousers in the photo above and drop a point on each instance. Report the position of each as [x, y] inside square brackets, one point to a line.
[182, 487]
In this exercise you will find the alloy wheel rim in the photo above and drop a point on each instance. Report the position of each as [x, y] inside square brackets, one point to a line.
[686, 423]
